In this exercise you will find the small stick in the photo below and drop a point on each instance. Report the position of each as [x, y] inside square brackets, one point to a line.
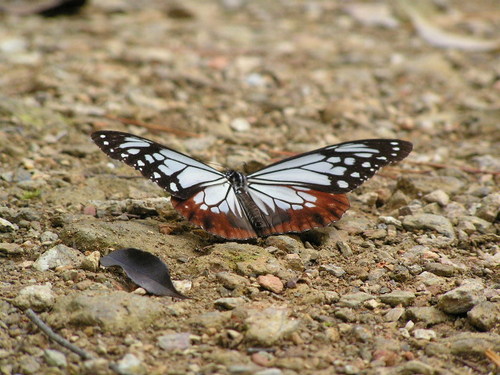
[157, 127]
[54, 336]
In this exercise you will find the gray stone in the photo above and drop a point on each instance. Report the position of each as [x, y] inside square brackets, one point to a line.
[174, 341]
[212, 319]
[394, 314]
[97, 366]
[55, 358]
[115, 312]
[344, 248]
[462, 299]
[49, 236]
[269, 371]
[131, 365]
[333, 270]
[36, 297]
[7, 226]
[230, 303]
[430, 279]
[446, 270]
[10, 249]
[60, 255]
[231, 281]
[28, 365]
[427, 314]
[490, 207]
[473, 343]
[285, 243]
[398, 297]
[437, 223]
[266, 327]
[424, 334]
[438, 196]
[485, 315]
[475, 223]
[354, 299]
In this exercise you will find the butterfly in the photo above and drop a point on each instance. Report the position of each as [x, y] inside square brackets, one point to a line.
[293, 195]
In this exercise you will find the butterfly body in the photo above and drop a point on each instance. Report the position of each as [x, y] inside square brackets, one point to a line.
[292, 195]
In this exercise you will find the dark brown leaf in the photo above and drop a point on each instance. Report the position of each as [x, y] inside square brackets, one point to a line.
[144, 269]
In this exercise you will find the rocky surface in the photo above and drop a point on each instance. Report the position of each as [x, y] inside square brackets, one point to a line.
[406, 283]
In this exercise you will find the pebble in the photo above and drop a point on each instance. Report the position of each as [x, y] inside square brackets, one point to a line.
[473, 343]
[60, 255]
[421, 185]
[485, 316]
[28, 365]
[48, 237]
[7, 226]
[230, 280]
[294, 262]
[354, 299]
[427, 314]
[55, 358]
[91, 262]
[269, 371]
[333, 270]
[229, 303]
[437, 223]
[36, 297]
[240, 124]
[10, 249]
[97, 366]
[462, 299]
[438, 196]
[285, 243]
[271, 282]
[424, 334]
[490, 207]
[439, 269]
[398, 297]
[430, 279]
[130, 364]
[394, 314]
[115, 312]
[266, 327]
[174, 341]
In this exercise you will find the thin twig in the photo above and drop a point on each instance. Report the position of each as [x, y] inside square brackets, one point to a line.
[494, 357]
[63, 342]
[54, 336]
[157, 127]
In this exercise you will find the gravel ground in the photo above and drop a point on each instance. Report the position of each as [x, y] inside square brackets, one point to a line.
[406, 283]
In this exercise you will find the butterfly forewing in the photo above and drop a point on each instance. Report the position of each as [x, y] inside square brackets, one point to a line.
[177, 173]
[336, 169]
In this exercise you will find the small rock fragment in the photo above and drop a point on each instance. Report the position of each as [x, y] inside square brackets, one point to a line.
[60, 255]
[333, 270]
[462, 299]
[230, 280]
[437, 223]
[437, 196]
[271, 282]
[354, 299]
[266, 327]
[427, 314]
[229, 303]
[131, 365]
[485, 315]
[174, 341]
[10, 249]
[91, 261]
[398, 297]
[424, 334]
[55, 358]
[7, 226]
[36, 297]
[240, 124]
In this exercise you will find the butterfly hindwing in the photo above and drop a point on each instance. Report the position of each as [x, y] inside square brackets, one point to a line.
[289, 208]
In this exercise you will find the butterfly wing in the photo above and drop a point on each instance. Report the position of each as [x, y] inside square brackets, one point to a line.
[308, 191]
[200, 193]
